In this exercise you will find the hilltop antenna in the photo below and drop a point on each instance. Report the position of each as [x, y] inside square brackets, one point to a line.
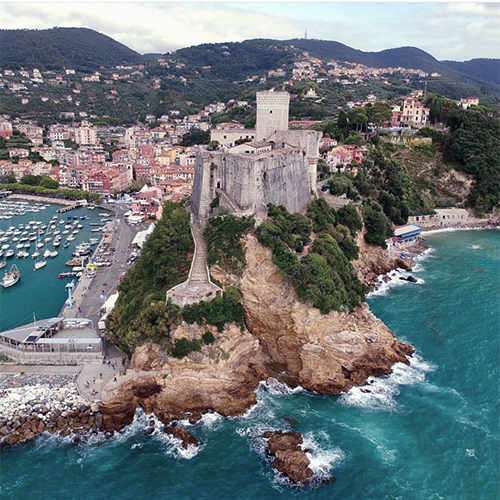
[425, 87]
[305, 35]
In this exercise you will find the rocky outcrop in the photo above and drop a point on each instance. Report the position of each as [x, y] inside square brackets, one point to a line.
[182, 434]
[324, 353]
[374, 261]
[290, 458]
[284, 338]
[222, 378]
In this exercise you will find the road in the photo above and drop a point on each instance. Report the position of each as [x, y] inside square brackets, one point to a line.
[91, 294]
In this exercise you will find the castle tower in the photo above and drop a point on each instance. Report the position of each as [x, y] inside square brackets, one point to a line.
[272, 113]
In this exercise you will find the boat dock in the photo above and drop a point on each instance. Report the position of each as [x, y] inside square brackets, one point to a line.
[70, 207]
[90, 293]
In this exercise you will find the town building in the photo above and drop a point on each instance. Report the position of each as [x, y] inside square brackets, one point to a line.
[414, 113]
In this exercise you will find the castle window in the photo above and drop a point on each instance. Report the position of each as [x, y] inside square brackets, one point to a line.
[271, 112]
[218, 185]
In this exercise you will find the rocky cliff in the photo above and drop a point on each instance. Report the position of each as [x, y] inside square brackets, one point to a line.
[284, 338]
[374, 260]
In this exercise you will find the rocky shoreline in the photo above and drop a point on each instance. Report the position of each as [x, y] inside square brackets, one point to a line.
[284, 339]
[33, 404]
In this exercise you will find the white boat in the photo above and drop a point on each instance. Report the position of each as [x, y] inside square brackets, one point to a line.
[39, 264]
[9, 253]
[11, 277]
[3, 263]
[35, 255]
[47, 254]
[22, 254]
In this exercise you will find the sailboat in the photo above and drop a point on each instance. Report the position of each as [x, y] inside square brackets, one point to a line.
[39, 264]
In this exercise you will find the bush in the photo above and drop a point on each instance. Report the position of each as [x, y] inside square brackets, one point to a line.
[223, 235]
[183, 347]
[218, 312]
[324, 277]
[208, 337]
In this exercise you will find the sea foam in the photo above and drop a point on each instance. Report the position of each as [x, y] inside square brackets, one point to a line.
[380, 393]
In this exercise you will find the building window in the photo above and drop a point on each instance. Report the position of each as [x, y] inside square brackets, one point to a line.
[271, 111]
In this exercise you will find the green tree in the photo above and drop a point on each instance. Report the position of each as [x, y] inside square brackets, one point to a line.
[30, 180]
[48, 183]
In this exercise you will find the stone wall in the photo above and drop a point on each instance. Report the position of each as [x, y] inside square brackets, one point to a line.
[56, 358]
[272, 113]
[249, 183]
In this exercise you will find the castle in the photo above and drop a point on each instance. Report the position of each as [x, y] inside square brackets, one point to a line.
[252, 168]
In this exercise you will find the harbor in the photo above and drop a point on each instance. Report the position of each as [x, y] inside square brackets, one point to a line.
[43, 294]
[95, 272]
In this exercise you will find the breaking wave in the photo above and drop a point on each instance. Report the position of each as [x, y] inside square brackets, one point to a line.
[380, 393]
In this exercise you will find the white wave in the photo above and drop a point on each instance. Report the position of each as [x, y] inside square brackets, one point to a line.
[209, 420]
[277, 388]
[380, 392]
[391, 280]
[322, 460]
[149, 423]
[173, 446]
[453, 229]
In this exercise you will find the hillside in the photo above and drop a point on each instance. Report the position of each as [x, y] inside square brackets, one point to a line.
[130, 86]
[237, 61]
[405, 57]
[59, 48]
[486, 70]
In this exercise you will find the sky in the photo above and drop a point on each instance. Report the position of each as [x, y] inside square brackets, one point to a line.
[447, 30]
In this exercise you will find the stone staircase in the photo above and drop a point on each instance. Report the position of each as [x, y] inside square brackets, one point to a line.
[198, 274]
[198, 286]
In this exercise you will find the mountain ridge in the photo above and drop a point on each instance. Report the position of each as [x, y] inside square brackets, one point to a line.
[86, 49]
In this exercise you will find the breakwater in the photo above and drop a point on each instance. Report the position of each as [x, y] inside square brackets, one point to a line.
[31, 404]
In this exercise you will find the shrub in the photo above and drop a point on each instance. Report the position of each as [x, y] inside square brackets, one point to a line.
[208, 337]
[183, 347]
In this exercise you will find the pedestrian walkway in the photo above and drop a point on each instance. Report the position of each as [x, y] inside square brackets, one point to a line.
[97, 376]
[198, 274]
[198, 286]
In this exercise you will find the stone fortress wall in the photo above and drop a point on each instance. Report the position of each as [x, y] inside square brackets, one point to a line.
[245, 183]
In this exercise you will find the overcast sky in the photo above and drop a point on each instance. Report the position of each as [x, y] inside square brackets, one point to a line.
[456, 31]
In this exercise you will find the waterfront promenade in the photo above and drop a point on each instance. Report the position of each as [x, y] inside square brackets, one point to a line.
[91, 293]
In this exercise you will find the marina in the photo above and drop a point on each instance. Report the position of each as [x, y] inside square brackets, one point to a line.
[39, 228]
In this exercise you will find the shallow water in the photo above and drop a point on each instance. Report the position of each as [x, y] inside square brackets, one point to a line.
[428, 431]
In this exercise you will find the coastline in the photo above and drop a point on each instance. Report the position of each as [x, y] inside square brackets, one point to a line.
[41, 199]
[75, 414]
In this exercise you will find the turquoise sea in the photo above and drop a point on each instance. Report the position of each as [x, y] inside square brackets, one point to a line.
[428, 431]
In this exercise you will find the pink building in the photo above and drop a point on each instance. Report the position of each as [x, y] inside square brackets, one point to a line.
[5, 129]
[148, 203]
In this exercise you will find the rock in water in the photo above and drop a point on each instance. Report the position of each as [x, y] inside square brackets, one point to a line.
[289, 456]
[182, 434]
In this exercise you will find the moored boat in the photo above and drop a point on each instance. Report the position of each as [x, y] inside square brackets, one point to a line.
[11, 277]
